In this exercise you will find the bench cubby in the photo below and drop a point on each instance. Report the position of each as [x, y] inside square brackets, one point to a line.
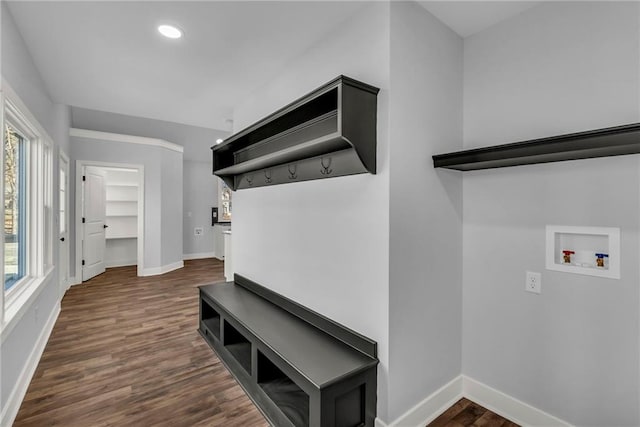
[283, 391]
[209, 319]
[300, 368]
[238, 346]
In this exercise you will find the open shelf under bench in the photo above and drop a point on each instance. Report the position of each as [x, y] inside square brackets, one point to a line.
[300, 368]
[613, 141]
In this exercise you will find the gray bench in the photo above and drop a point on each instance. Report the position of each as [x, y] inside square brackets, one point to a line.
[300, 368]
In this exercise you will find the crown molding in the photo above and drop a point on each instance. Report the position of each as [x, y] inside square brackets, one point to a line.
[129, 139]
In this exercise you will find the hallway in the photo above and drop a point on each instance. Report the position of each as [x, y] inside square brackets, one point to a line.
[125, 352]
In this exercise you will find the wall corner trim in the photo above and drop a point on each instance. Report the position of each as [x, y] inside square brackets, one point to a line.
[129, 139]
[154, 271]
[508, 406]
[10, 411]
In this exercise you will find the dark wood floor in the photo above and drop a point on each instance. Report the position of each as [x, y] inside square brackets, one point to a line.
[467, 413]
[125, 352]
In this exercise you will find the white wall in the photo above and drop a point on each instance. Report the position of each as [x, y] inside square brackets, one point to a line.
[200, 187]
[163, 192]
[20, 342]
[425, 289]
[200, 195]
[324, 243]
[573, 350]
[171, 207]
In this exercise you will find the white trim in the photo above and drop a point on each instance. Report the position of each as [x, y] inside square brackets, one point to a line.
[22, 107]
[120, 263]
[80, 164]
[154, 271]
[432, 406]
[129, 139]
[462, 386]
[507, 406]
[14, 312]
[10, 411]
[379, 423]
[199, 255]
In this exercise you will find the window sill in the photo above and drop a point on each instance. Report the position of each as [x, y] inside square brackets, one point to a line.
[18, 306]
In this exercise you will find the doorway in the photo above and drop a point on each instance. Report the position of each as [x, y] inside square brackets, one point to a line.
[109, 215]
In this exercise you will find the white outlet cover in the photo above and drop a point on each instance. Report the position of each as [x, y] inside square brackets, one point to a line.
[197, 231]
[533, 282]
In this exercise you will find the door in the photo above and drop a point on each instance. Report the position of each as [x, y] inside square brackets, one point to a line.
[63, 218]
[94, 213]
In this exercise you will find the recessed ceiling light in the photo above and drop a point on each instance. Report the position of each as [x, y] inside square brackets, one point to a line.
[219, 141]
[170, 31]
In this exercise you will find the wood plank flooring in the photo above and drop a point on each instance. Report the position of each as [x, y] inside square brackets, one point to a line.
[125, 352]
[466, 413]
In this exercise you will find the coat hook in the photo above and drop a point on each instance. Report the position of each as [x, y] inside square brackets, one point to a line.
[292, 173]
[325, 169]
[267, 176]
[249, 179]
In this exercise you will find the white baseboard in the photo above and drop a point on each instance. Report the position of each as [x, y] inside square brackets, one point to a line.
[163, 269]
[199, 255]
[507, 406]
[462, 386]
[123, 263]
[431, 407]
[10, 411]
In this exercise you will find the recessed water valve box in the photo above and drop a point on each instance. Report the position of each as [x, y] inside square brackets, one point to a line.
[594, 251]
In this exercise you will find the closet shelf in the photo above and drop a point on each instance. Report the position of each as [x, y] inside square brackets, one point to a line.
[613, 141]
[329, 132]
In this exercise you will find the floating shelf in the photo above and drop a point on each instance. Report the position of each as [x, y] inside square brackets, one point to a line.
[613, 141]
[329, 132]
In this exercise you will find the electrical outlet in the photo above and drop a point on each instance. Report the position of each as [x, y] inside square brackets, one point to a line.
[197, 231]
[533, 282]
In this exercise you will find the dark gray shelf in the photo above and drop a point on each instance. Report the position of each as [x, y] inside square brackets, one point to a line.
[613, 141]
[327, 133]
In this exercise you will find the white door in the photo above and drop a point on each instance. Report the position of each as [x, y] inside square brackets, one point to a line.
[63, 217]
[94, 212]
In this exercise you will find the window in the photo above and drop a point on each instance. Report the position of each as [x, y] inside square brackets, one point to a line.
[28, 223]
[15, 206]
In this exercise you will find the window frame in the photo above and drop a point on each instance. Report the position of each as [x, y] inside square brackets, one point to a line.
[23, 204]
[39, 209]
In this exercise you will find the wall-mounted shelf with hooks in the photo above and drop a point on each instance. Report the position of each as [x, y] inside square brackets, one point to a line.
[329, 132]
[613, 141]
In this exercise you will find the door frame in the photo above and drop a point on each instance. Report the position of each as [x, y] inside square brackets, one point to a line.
[64, 159]
[80, 165]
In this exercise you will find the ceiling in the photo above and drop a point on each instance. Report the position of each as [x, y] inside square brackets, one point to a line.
[469, 17]
[108, 56]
